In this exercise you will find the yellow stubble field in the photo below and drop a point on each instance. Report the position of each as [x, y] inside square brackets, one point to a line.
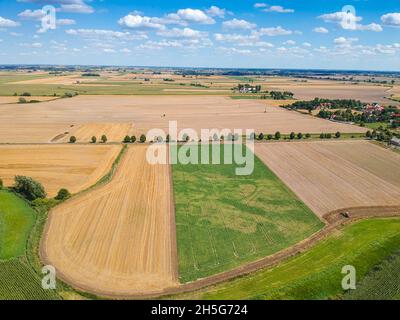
[118, 239]
[74, 167]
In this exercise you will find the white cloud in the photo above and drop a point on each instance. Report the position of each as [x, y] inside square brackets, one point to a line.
[72, 6]
[238, 24]
[31, 14]
[290, 42]
[349, 21]
[182, 33]
[190, 15]
[65, 22]
[139, 22]
[104, 34]
[392, 19]
[260, 5]
[7, 23]
[306, 44]
[342, 41]
[278, 9]
[274, 31]
[125, 50]
[214, 11]
[321, 30]
[242, 40]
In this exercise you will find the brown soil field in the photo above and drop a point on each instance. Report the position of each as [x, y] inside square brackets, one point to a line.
[332, 175]
[118, 239]
[115, 132]
[42, 122]
[57, 166]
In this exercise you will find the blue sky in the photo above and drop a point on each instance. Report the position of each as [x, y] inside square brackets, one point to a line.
[270, 34]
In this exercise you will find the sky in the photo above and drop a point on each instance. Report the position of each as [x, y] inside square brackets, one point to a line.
[304, 34]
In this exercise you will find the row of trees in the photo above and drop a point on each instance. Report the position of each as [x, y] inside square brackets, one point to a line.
[279, 95]
[293, 135]
[327, 103]
[32, 190]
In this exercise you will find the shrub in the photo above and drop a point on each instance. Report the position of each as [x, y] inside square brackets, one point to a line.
[133, 139]
[299, 136]
[127, 139]
[337, 135]
[104, 138]
[168, 138]
[29, 188]
[368, 134]
[292, 135]
[142, 138]
[63, 194]
[328, 136]
[277, 135]
[26, 94]
[94, 139]
[72, 139]
[321, 136]
[261, 136]
[21, 100]
[308, 136]
[269, 137]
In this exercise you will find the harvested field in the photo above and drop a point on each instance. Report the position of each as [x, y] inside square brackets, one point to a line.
[6, 100]
[43, 122]
[115, 132]
[333, 175]
[59, 166]
[118, 239]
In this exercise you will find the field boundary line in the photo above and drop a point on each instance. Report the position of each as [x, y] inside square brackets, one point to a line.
[337, 222]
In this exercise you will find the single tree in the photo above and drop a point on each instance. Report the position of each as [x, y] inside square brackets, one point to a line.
[368, 134]
[94, 139]
[308, 136]
[133, 139]
[168, 138]
[104, 138]
[292, 135]
[261, 136]
[269, 137]
[1, 184]
[127, 139]
[252, 136]
[322, 136]
[299, 136]
[337, 135]
[277, 135]
[72, 139]
[142, 138]
[63, 194]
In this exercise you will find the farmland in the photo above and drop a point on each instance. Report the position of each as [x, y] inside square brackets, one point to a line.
[117, 239]
[17, 279]
[382, 282]
[316, 273]
[224, 220]
[16, 221]
[364, 174]
[19, 282]
[74, 167]
[55, 120]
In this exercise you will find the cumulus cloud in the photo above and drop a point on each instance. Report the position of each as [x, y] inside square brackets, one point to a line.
[65, 22]
[140, 22]
[392, 19]
[238, 24]
[191, 15]
[214, 11]
[274, 31]
[104, 34]
[72, 6]
[260, 5]
[182, 33]
[321, 30]
[349, 21]
[7, 23]
[278, 9]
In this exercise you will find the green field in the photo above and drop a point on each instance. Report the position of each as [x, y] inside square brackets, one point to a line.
[224, 220]
[16, 221]
[381, 283]
[316, 274]
[19, 282]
